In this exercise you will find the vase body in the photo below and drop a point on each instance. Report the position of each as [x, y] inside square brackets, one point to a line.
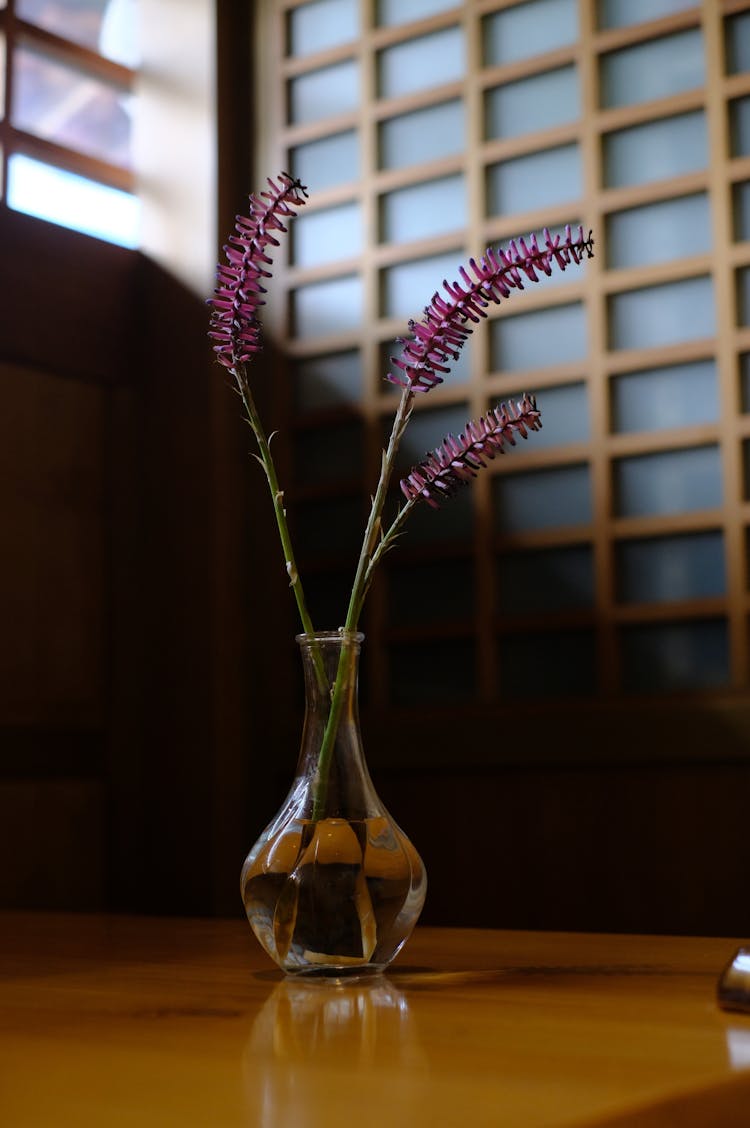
[333, 887]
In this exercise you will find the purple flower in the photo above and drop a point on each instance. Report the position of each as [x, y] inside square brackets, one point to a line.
[443, 330]
[458, 459]
[239, 291]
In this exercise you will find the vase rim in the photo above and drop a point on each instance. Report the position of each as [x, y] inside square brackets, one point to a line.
[339, 635]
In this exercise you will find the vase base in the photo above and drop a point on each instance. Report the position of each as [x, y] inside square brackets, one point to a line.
[331, 973]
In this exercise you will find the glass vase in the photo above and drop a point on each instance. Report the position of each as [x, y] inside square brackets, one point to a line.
[333, 887]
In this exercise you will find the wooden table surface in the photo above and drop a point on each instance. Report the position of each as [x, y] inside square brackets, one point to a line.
[113, 1021]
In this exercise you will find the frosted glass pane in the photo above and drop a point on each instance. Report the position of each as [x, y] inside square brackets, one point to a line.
[743, 296]
[324, 93]
[460, 370]
[739, 127]
[744, 363]
[737, 43]
[675, 656]
[660, 569]
[422, 210]
[542, 499]
[539, 339]
[655, 69]
[658, 150]
[565, 417]
[548, 579]
[407, 288]
[453, 524]
[109, 28]
[668, 481]
[445, 590]
[434, 673]
[322, 528]
[624, 13]
[535, 180]
[325, 163]
[321, 24]
[529, 29]
[327, 307]
[539, 102]
[393, 12]
[331, 380]
[662, 315]
[426, 430]
[659, 232]
[655, 398]
[424, 135]
[559, 664]
[419, 64]
[331, 454]
[741, 201]
[327, 235]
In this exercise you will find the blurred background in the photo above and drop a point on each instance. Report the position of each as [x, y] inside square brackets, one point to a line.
[554, 690]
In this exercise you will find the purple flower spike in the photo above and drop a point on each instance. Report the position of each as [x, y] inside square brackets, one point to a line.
[458, 459]
[239, 291]
[444, 327]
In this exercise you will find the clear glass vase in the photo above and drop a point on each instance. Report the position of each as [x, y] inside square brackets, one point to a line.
[333, 887]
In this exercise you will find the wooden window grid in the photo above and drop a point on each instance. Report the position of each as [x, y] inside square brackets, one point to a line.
[485, 622]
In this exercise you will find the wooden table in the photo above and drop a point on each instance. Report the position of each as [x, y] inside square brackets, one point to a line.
[111, 1021]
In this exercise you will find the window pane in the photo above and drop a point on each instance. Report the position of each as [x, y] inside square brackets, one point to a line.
[434, 673]
[529, 29]
[547, 579]
[108, 27]
[660, 569]
[83, 205]
[539, 102]
[422, 210]
[323, 528]
[327, 307]
[655, 398]
[460, 370]
[321, 24]
[542, 499]
[657, 150]
[565, 417]
[655, 69]
[744, 363]
[392, 12]
[675, 656]
[662, 315]
[559, 664]
[743, 296]
[426, 430]
[624, 13]
[70, 108]
[536, 180]
[737, 43]
[741, 216]
[324, 236]
[421, 63]
[453, 524]
[668, 481]
[539, 339]
[329, 454]
[407, 288]
[657, 232]
[330, 161]
[424, 135]
[330, 380]
[739, 127]
[324, 93]
[445, 588]
[2, 77]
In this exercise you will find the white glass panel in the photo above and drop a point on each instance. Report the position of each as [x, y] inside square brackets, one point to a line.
[529, 29]
[327, 235]
[624, 13]
[548, 579]
[539, 102]
[434, 673]
[330, 454]
[656, 398]
[536, 180]
[424, 135]
[559, 664]
[675, 656]
[407, 288]
[107, 26]
[737, 43]
[655, 69]
[668, 481]
[328, 162]
[565, 417]
[657, 150]
[83, 205]
[322, 528]
[331, 380]
[539, 339]
[321, 24]
[419, 64]
[739, 127]
[422, 210]
[670, 229]
[662, 315]
[542, 499]
[445, 590]
[741, 201]
[327, 307]
[70, 108]
[425, 432]
[324, 93]
[393, 12]
[660, 569]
